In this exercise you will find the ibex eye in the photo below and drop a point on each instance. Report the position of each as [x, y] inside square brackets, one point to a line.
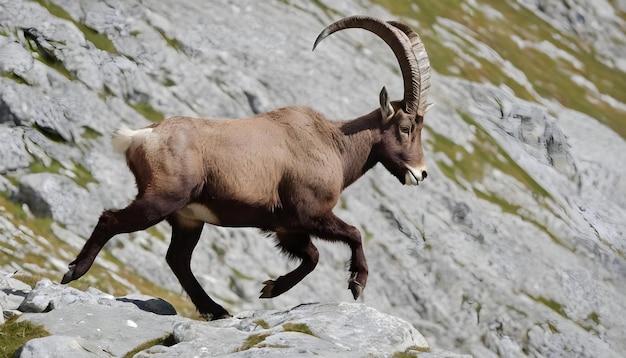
[405, 129]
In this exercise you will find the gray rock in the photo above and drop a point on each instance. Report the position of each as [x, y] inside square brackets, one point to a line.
[12, 151]
[16, 60]
[61, 198]
[513, 246]
[544, 139]
[8, 314]
[114, 330]
[47, 296]
[59, 346]
[338, 330]
[597, 23]
[93, 323]
[12, 293]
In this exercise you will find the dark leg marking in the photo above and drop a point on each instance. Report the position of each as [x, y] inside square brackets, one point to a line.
[142, 213]
[185, 237]
[332, 228]
[297, 246]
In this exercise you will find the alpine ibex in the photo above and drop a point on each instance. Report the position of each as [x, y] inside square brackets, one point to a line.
[281, 172]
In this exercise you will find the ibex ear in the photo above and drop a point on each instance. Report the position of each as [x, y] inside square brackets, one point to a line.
[429, 106]
[386, 109]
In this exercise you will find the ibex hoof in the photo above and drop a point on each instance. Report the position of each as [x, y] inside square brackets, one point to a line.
[355, 287]
[69, 275]
[266, 291]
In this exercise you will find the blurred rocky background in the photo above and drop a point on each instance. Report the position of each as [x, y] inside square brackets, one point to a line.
[514, 246]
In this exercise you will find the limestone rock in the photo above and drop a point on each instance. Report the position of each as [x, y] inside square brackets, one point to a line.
[513, 246]
[12, 151]
[47, 296]
[114, 330]
[341, 330]
[95, 324]
[59, 346]
[61, 198]
[12, 293]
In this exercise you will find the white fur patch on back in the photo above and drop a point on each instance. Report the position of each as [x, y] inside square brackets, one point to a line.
[199, 212]
[123, 137]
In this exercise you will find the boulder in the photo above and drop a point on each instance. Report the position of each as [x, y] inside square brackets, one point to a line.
[113, 330]
[47, 296]
[514, 245]
[12, 293]
[334, 329]
[59, 197]
[12, 151]
[95, 324]
[59, 346]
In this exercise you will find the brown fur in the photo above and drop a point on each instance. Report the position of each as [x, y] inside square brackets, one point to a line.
[281, 171]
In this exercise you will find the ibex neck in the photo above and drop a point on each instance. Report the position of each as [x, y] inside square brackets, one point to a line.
[360, 135]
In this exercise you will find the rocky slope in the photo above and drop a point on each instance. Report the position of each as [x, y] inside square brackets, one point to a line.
[96, 324]
[514, 246]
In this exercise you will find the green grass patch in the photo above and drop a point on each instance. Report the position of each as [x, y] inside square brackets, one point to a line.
[155, 232]
[29, 279]
[14, 77]
[45, 55]
[99, 40]
[590, 323]
[15, 334]
[411, 352]
[98, 276]
[486, 156]
[517, 310]
[298, 327]
[594, 317]
[146, 110]
[553, 328]
[551, 77]
[79, 174]
[252, 341]
[552, 304]
[13, 211]
[82, 175]
[39, 167]
[473, 166]
[90, 133]
[262, 323]
[166, 341]
[173, 43]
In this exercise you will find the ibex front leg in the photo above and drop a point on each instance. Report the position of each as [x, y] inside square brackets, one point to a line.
[294, 245]
[332, 228]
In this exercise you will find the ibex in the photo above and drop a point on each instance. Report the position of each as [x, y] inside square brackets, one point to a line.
[282, 172]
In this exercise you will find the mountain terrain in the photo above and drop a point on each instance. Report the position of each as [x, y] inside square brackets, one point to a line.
[514, 246]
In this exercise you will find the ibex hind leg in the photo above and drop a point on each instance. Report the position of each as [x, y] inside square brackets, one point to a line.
[142, 213]
[185, 236]
[296, 246]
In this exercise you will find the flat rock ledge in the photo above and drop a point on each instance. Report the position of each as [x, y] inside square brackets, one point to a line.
[95, 324]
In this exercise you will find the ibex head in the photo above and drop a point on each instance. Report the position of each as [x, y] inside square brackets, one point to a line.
[402, 121]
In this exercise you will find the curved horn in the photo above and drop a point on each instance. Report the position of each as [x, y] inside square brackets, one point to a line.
[399, 42]
[423, 64]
